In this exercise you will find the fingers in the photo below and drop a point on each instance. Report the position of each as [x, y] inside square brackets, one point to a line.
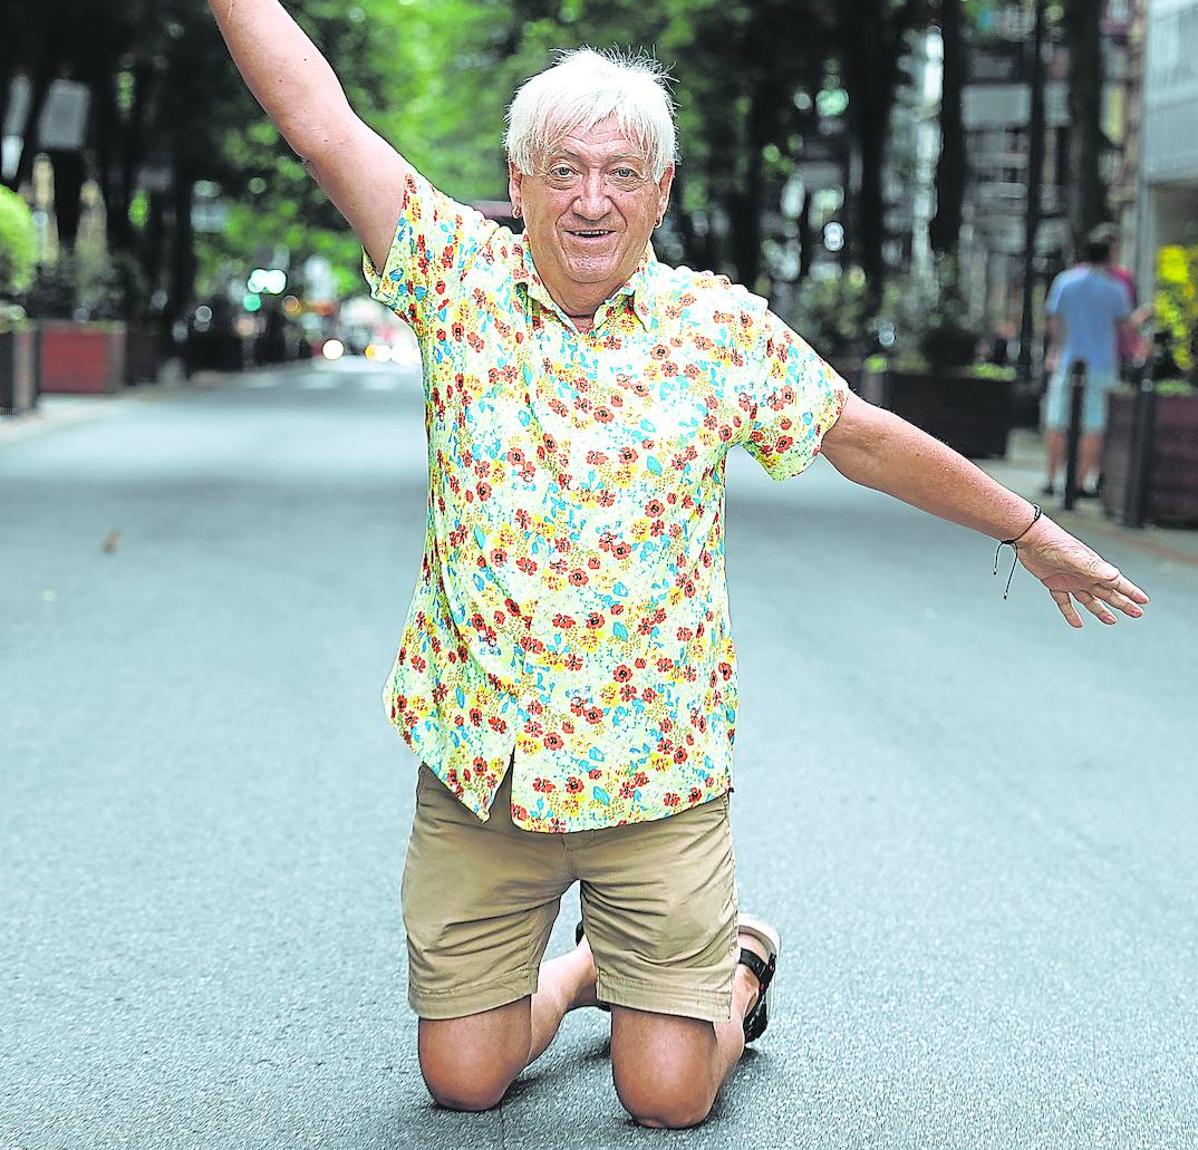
[1120, 601]
[1065, 604]
[1096, 607]
[1128, 588]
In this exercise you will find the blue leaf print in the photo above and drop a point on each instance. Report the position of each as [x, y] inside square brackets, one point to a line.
[601, 796]
[619, 630]
[653, 464]
[480, 537]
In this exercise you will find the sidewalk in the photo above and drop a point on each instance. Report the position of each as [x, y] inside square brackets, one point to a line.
[1023, 471]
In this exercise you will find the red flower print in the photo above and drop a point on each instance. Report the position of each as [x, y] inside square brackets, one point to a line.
[578, 577]
[679, 755]
[553, 741]
[593, 563]
[595, 620]
[628, 455]
[545, 786]
[695, 795]
[592, 714]
[594, 773]
[621, 550]
[498, 557]
[622, 673]
[654, 508]
[573, 785]
[670, 799]
[484, 491]
[528, 566]
[565, 622]
[603, 415]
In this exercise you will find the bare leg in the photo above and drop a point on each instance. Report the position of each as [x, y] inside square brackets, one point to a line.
[469, 1063]
[1091, 459]
[668, 1070]
[1055, 446]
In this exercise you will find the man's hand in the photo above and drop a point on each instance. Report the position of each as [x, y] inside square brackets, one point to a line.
[1072, 571]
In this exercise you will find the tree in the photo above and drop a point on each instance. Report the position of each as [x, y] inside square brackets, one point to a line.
[944, 231]
[871, 42]
[1087, 192]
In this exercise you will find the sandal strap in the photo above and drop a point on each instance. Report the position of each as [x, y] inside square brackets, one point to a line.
[760, 967]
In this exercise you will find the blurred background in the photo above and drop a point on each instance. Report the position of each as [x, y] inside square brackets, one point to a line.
[975, 824]
[902, 178]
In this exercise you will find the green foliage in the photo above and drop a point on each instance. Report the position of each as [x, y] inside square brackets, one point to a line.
[1175, 387]
[16, 244]
[929, 321]
[92, 287]
[1176, 303]
[832, 314]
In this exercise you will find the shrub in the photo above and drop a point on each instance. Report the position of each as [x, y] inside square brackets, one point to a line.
[17, 244]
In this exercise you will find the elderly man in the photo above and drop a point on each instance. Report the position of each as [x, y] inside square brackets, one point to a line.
[566, 675]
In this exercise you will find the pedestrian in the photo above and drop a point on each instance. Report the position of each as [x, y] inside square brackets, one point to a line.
[1089, 312]
[566, 675]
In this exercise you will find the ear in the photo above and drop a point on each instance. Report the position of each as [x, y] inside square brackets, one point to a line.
[515, 178]
[663, 189]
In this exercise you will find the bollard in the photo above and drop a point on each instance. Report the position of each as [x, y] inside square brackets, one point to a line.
[1139, 472]
[1077, 390]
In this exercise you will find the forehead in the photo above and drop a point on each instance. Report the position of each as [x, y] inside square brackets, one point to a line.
[600, 142]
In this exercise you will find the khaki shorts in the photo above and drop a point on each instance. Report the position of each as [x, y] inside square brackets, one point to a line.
[480, 900]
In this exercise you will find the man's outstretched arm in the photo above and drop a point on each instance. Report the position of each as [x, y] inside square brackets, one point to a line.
[878, 449]
[359, 171]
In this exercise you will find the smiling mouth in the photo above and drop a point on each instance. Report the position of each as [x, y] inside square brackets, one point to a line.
[590, 233]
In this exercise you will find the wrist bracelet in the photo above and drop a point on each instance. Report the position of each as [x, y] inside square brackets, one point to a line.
[1014, 546]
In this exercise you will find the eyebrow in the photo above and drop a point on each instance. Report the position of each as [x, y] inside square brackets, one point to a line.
[570, 154]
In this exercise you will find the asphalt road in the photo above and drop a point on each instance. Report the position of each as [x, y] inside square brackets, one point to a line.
[975, 827]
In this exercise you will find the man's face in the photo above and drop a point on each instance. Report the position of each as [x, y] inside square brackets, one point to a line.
[589, 210]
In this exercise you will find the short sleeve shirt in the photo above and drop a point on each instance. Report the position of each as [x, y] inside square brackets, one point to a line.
[571, 615]
[1091, 304]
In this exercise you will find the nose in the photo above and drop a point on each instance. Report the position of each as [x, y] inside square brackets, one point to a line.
[591, 202]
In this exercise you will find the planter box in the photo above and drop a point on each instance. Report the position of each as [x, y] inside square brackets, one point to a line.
[973, 416]
[18, 369]
[1172, 495]
[82, 358]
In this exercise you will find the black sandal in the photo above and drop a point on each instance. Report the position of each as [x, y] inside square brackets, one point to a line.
[758, 1018]
[578, 933]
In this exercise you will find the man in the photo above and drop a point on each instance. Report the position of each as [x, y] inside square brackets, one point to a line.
[567, 673]
[1088, 313]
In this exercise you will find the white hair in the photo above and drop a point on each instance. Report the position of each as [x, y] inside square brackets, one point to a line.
[583, 89]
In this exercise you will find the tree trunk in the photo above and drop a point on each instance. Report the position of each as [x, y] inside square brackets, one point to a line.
[182, 278]
[1087, 195]
[68, 188]
[1035, 179]
[944, 231]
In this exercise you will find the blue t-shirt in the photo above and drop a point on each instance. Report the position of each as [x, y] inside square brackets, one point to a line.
[1090, 305]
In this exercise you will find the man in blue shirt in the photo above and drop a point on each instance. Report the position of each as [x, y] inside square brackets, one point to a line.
[1087, 308]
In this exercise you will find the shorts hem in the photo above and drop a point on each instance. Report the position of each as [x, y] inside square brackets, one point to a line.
[438, 1005]
[684, 1002]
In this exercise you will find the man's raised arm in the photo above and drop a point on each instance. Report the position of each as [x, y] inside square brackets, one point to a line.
[359, 171]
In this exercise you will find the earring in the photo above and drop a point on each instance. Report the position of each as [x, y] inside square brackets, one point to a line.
[515, 211]
[660, 217]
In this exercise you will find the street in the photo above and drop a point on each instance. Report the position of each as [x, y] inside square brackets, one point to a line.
[974, 826]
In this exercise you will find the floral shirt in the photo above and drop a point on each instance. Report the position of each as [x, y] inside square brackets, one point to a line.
[571, 606]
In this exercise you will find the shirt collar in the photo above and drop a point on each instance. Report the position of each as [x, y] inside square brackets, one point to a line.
[638, 287]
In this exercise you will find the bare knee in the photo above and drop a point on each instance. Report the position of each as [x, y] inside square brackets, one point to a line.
[469, 1063]
[666, 1103]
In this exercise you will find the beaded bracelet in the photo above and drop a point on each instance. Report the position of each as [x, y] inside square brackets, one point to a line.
[1014, 546]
